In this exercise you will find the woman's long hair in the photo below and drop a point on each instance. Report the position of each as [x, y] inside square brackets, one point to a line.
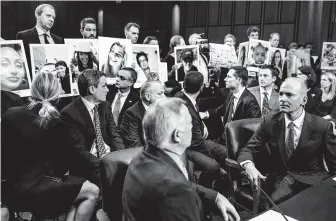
[45, 90]
[332, 91]
[273, 60]
[80, 64]
[107, 68]
[63, 63]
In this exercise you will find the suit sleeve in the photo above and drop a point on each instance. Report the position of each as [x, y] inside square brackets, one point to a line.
[129, 130]
[116, 143]
[333, 111]
[179, 204]
[253, 146]
[330, 149]
[253, 109]
[207, 195]
[219, 111]
[197, 135]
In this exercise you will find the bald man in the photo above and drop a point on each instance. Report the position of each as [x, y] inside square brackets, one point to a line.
[297, 142]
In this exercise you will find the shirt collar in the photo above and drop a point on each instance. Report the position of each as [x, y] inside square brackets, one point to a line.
[41, 32]
[269, 91]
[145, 105]
[238, 94]
[89, 105]
[190, 98]
[124, 94]
[298, 122]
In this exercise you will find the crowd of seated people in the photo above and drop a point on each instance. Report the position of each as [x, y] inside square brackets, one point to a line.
[164, 119]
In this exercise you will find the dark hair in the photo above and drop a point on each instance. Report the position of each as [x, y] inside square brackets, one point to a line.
[149, 38]
[273, 59]
[193, 82]
[274, 70]
[131, 24]
[307, 70]
[62, 63]
[241, 73]
[80, 64]
[308, 43]
[274, 33]
[88, 78]
[252, 29]
[134, 74]
[139, 55]
[87, 21]
[172, 83]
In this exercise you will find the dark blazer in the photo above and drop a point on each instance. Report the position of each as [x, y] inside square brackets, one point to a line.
[131, 126]
[273, 101]
[247, 107]
[9, 100]
[314, 96]
[306, 163]
[131, 99]
[197, 142]
[181, 74]
[30, 36]
[81, 128]
[156, 189]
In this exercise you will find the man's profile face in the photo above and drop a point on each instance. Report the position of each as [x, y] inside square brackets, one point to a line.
[254, 35]
[89, 31]
[124, 79]
[156, 92]
[132, 34]
[275, 40]
[116, 56]
[290, 97]
[143, 62]
[47, 18]
[231, 81]
[101, 90]
[265, 78]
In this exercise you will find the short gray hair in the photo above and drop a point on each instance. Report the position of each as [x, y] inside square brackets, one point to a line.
[39, 9]
[145, 88]
[161, 119]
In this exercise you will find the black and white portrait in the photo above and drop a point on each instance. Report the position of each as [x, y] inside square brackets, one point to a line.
[187, 59]
[328, 61]
[258, 53]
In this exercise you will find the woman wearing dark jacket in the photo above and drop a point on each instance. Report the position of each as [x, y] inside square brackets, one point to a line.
[35, 156]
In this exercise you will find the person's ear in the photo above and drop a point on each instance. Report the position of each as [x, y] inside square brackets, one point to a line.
[304, 101]
[81, 31]
[91, 90]
[147, 96]
[274, 78]
[176, 136]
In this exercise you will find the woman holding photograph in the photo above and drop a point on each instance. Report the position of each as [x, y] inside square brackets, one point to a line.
[63, 76]
[36, 180]
[13, 71]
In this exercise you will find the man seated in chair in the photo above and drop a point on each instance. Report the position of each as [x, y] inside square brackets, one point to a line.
[297, 142]
[157, 184]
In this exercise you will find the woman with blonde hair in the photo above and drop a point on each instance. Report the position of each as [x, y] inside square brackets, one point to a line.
[36, 137]
[326, 108]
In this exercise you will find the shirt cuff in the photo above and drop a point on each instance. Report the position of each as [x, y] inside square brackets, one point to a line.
[245, 162]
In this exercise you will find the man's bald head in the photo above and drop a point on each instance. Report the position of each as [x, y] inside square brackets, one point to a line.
[298, 84]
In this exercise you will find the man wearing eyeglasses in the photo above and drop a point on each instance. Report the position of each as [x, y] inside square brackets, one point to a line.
[121, 95]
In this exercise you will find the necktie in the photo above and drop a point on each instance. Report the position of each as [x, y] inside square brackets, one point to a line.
[46, 39]
[231, 110]
[196, 107]
[265, 108]
[290, 140]
[116, 109]
[99, 137]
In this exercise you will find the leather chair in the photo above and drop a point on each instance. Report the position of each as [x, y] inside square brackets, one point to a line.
[237, 134]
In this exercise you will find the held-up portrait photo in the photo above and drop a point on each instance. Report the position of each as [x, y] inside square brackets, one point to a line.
[15, 75]
[258, 52]
[328, 61]
[187, 58]
[277, 57]
[242, 54]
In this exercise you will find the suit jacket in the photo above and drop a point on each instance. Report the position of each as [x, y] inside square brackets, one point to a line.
[131, 126]
[314, 96]
[197, 142]
[273, 101]
[247, 107]
[306, 163]
[131, 99]
[156, 189]
[81, 128]
[30, 36]
[9, 100]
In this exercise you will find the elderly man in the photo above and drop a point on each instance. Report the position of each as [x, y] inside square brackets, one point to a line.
[132, 31]
[157, 184]
[297, 143]
[274, 38]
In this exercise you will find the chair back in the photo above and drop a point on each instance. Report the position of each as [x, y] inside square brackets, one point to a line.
[113, 168]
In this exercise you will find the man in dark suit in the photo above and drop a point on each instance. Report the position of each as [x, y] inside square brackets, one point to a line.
[267, 97]
[131, 124]
[121, 96]
[240, 104]
[297, 143]
[157, 184]
[91, 125]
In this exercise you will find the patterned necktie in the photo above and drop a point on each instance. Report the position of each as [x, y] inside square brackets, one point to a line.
[116, 109]
[46, 39]
[99, 137]
[231, 110]
[265, 108]
[196, 107]
[290, 140]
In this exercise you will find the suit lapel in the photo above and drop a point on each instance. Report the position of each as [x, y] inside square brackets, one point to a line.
[191, 105]
[86, 118]
[280, 129]
[305, 132]
[36, 35]
[256, 94]
[239, 102]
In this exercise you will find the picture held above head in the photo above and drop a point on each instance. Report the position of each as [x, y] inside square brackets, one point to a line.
[187, 57]
[175, 41]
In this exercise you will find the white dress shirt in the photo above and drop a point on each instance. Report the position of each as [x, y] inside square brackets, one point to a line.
[236, 98]
[269, 92]
[90, 107]
[122, 99]
[298, 123]
[177, 159]
[40, 33]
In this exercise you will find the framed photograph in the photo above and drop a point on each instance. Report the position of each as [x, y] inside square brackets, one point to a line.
[53, 58]
[328, 60]
[187, 59]
[222, 56]
[114, 54]
[277, 57]
[15, 76]
[82, 54]
[146, 62]
[242, 53]
[258, 53]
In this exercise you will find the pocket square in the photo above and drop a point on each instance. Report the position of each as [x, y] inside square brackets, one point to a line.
[313, 95]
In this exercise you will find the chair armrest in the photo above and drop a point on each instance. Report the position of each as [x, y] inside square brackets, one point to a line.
[233, 164]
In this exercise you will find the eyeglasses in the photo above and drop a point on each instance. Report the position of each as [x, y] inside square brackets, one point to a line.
[122, 77]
